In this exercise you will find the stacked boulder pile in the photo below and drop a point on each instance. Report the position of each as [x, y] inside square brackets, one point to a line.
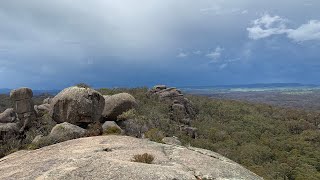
[115, 105]
[82, 111]
[43, 108]
[77, 111]
[181, 109]
[23, 106]
[16, 120]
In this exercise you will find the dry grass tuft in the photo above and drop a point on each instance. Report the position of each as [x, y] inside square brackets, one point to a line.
[143, 158]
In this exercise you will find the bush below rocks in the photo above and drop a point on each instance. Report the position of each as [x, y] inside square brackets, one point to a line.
[111, 127]
[155, 135]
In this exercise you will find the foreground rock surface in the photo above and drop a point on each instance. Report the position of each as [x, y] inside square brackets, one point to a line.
[109, 157]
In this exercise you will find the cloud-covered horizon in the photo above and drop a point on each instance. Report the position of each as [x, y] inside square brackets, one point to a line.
[48, 44]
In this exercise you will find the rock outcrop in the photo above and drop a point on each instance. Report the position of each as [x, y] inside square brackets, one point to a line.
[42, 109]
[60, 133]
[117, 104]
[110, 157]
[23, 106]
[67, 130]
[133, 127]
[8, 130]
[181, 107]
[47, 100]
[8, 116]
[79, 106]
[182, 110]
[16, 120]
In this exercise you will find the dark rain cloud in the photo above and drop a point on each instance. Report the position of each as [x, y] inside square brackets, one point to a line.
[53, 44]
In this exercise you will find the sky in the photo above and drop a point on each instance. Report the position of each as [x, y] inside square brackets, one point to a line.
[128, 43]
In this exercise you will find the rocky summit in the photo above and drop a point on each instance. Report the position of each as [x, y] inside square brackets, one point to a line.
[111, 157]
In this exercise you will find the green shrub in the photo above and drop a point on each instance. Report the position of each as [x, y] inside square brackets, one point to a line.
[130, 114]
[83, 85]
[112, 130]
[143, 158]
[12, 145]
[43, 142]
[155, 135]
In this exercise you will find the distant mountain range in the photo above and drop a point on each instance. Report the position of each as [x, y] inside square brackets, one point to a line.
[282, 87]
[258, 85]
[35, 92]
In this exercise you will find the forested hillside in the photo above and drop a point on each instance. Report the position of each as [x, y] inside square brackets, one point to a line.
[275, 143]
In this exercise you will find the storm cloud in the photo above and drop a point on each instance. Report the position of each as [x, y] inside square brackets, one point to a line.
[53, 44]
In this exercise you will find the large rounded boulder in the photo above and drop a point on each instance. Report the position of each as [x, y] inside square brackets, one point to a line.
[66, 131]
[118, 104]
[76, 105]
[60, 133]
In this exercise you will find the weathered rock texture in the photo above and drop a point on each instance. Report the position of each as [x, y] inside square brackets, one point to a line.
[42, 109]
[7, 131]
[79, 106]
[23, 106]
[8, 116]
[181, 107]
[109, 157]
[133, 127]
[47, 100]
[60, 133]
[182, 110]
[118, 104]
[23, 100]
[67, 130]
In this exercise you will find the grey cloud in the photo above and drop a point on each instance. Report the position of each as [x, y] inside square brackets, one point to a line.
[216, 54]
[306, 32]
[268, 25]
[182, 55]
[59, 42]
